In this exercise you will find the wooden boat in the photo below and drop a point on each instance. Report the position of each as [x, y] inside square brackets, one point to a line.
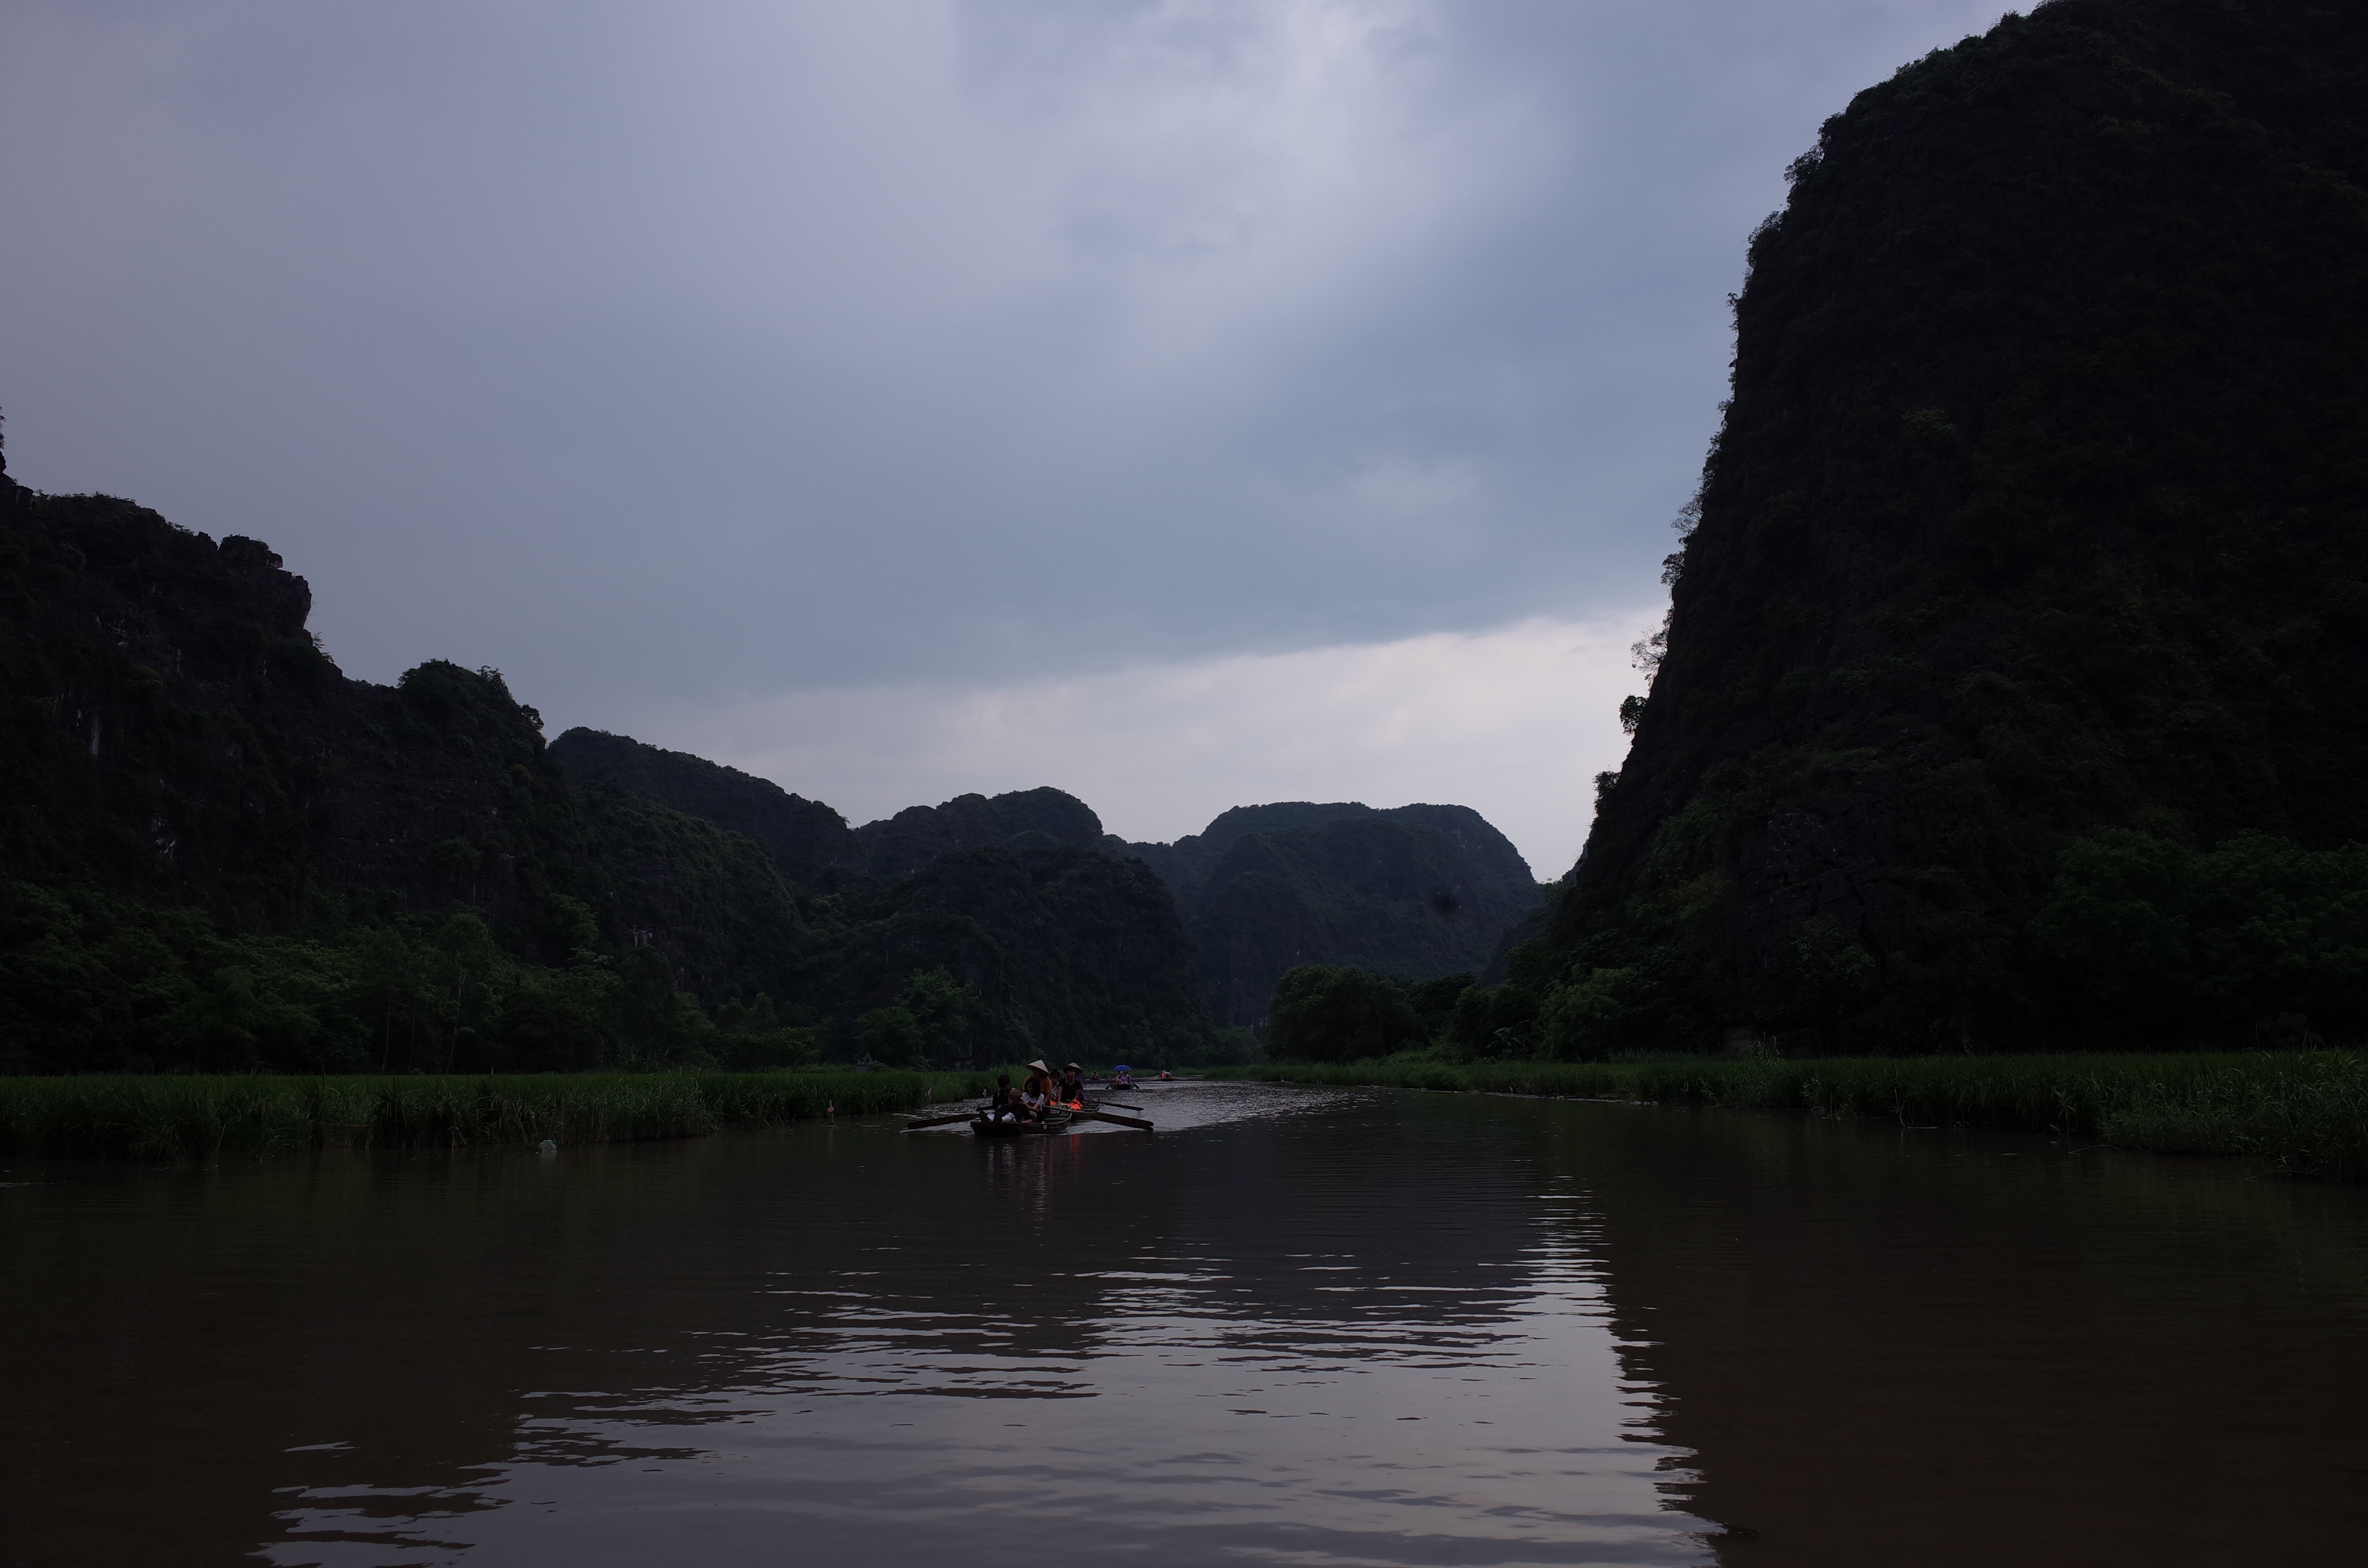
[985, 1127]
[1058, 1121]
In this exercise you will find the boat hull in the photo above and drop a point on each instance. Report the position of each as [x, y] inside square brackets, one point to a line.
[984, 1127]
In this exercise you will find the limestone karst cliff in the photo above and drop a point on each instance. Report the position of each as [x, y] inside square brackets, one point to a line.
[2016, 682]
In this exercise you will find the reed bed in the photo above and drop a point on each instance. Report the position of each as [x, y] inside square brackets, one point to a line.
[211, 1117]
[2305, 1112]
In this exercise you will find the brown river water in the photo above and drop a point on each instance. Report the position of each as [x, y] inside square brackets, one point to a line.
[1293, 1328]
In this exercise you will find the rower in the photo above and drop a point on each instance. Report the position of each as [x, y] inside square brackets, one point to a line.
[1072, 1092]
[1004, 1103]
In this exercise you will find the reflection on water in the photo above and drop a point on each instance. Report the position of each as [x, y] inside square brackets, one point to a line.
[1293, 1327]
[1958, 1351]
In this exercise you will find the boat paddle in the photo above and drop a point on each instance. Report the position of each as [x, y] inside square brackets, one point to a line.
[914, 1124]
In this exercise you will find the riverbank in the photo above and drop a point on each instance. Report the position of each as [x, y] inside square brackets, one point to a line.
[2305, 1112]
[194, 1118]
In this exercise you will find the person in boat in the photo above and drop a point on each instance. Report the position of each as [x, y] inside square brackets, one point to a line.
[1122, 1078]
[1036, 1094]
[1004, 1103]
[1072, 1090]
[1164, 1075]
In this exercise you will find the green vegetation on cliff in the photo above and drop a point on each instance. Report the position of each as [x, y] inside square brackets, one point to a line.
[1413, 893]
[983, 929]
[94, 982]
[219, 854]
[2012, 694]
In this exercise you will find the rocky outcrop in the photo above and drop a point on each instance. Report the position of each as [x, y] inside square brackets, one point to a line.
[1066, 947]
[176, 741]
[1414, 892]
[2040, 512]
[917, 836]
[176, 732]
[807, 839]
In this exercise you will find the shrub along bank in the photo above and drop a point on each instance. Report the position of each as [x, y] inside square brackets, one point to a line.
[191, 1118]
[2306, 1112]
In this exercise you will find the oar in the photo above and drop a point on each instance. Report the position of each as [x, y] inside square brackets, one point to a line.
[1121, 1104]
[917, 1123]
[1134, 1121]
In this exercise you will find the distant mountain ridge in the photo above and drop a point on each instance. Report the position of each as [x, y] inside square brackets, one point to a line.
[805, 838]
[1188, 864]
[1012, 897]
[917, 836]
[218, 852]
[1416, 892]
[811, 841]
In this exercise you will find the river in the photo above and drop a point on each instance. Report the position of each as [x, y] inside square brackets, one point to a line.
[1293, 1328]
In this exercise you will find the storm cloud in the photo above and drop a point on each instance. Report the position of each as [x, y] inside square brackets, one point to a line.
[706, 365]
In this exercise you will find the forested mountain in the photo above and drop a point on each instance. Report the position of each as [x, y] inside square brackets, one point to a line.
[807, 840]
[812, 843]
[917, 836]
[1415, 893]
[1057, 945]
[1418, 891]
[2015, 690]
[217, 851]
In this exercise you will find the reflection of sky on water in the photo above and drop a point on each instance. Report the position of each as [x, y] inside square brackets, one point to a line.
[1272, 1370]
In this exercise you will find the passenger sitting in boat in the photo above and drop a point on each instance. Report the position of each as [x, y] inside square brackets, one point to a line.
[1072, 1092]
[1004, 1103]
[1036, 1094]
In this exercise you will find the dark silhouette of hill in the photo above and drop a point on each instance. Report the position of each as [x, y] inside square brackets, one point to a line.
[1414, 892]
[806, 839]
[811, 842]
[218, 852]
[1418, 891]
[918, 836]
[2013, 687]
[1067, 949]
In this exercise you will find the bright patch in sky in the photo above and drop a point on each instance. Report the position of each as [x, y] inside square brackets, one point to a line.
[1514, 723]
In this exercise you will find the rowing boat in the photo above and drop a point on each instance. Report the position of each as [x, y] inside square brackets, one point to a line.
[987, 1127]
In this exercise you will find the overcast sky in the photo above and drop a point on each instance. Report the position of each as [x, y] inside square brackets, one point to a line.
[1185, 404]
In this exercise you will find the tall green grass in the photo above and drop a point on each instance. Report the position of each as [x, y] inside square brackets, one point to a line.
[2303, 1111]
[209, 1118]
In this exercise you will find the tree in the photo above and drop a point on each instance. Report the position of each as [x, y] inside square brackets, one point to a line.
[1335, 1013]
[931, 1021]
